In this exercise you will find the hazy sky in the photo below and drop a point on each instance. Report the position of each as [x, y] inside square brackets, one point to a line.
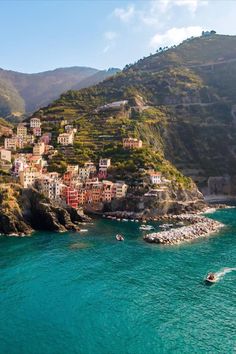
[41, 35]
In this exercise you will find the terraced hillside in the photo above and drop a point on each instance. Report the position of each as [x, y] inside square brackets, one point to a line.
[180, 102]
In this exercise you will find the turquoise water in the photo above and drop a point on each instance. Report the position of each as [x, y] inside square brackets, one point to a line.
[87, 293]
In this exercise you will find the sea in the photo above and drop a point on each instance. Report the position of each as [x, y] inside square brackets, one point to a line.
[87, 293]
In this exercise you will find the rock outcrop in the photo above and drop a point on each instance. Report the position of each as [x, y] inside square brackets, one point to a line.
[24, 210]
[162, 203]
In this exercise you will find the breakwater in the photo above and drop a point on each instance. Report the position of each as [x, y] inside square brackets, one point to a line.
[199, 227]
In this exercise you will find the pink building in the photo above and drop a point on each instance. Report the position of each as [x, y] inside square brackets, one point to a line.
[37, 131]
[46, 138]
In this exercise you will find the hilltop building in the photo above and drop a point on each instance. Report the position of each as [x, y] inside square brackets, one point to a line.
[37, 131]
[13, 143]
[132, 143]
[66, 139]
[35, 123]
[39, 149]
[21, 131]
[155, 177]
[5, 155]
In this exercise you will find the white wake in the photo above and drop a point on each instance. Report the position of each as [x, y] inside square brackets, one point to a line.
[224, 271]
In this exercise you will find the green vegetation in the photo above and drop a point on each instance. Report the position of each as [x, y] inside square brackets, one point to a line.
[20, 93]
[179, 104]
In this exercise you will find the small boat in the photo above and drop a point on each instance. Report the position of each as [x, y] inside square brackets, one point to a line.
[125, 220]
[146, 227]
[83, 230]
[211, 278]
[119, 237]
[165, 226]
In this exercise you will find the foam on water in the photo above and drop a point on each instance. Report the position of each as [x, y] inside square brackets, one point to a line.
[221, 273]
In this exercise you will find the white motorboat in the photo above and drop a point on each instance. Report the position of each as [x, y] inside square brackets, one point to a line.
[146, 227]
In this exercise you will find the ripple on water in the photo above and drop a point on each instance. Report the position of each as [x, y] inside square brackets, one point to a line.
[60, 294]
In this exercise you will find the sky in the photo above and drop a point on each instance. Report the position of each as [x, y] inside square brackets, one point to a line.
[39, 35]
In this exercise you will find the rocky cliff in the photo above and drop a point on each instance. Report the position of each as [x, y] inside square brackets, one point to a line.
[158, 203]
[24, 210]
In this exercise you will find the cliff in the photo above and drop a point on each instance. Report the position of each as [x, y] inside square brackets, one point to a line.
[160, 203]
[24, 210]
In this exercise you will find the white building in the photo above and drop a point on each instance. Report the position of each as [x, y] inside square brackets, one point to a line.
[104, 163]
[155, 177]
[19, 165]
[84, 173]
[35, 123]
[29, 176]
[50, 186]
[66, 139]
[6, 155]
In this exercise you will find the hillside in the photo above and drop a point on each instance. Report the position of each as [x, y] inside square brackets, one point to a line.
[181, 103]
[23, 93]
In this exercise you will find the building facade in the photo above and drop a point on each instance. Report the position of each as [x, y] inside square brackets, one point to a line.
[132, 143]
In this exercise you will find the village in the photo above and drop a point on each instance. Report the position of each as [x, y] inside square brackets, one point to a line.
[78, 185]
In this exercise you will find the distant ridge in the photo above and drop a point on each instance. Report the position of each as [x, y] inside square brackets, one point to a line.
[22, 93]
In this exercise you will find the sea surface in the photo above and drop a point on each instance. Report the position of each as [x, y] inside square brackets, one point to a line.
[87, 293]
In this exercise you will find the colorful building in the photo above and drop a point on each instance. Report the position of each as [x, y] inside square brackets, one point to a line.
[71, 196]
[37, 131]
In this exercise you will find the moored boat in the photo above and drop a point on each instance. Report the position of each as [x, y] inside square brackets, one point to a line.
[146, 227]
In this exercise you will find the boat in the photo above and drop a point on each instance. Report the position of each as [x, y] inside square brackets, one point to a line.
[125, 220]
[211, 278]
[165, 226]
[119, 237]
[146, 227]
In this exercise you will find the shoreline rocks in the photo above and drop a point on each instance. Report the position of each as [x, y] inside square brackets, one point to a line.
[200, 227]
[23, 211]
